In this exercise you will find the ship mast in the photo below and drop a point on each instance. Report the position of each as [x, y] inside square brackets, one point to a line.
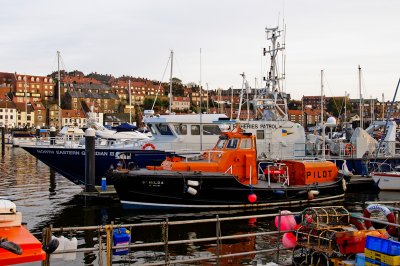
[59, 90]
[272, 101]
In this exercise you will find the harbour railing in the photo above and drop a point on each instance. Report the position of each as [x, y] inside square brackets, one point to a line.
[103, 235]
[256, 247]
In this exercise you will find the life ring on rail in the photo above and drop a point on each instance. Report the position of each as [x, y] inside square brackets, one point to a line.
[151, 145]
[385, 210]
[357, 223]
[349, 149]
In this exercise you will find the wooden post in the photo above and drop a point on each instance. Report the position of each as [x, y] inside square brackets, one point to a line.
[3, 132]
[89, 160]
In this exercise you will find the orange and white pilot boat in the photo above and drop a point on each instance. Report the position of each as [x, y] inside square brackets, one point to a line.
[229, 176]
[17, 244]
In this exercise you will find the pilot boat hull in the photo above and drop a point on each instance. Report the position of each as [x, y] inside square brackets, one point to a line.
[148, 189]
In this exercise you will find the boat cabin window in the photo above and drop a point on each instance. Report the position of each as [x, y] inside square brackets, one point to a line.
[232, 144]
[245, 143]
[164, 129]
[181, 129]
[221, 143]
[195, 129]
[260, 134]
[152, 129]
[211, 130]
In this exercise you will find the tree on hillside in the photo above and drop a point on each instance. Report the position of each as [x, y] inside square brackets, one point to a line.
[335, 106]
[294, 105]
[177, 87]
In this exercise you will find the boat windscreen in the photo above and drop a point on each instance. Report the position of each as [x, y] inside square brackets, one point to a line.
[221, 143]
[164, 129]
[232, 144]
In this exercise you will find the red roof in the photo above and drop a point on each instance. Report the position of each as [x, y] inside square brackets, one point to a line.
[295, 112]
[73, 113]
[80, 80]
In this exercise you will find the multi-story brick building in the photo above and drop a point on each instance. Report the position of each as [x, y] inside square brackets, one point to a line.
[8, 113]
[138, 90]
[74, 118]
[25, 115]
[40, 114]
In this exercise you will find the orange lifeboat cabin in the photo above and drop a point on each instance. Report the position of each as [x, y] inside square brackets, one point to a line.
[235, 153]
[311, 172]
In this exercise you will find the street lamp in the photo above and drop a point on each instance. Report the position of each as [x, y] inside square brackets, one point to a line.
[331, 123]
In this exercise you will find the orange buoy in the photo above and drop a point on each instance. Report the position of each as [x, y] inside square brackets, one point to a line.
[252, 198]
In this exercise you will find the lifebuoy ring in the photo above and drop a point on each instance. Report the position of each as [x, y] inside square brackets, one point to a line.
[349, 149]
[357, 223]
[151, 145]
[385, 210]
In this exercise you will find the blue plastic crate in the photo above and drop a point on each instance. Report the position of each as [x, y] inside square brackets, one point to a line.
[381, 245]
[394, 248]
[369, 261]
[360, 259]
[377, 244]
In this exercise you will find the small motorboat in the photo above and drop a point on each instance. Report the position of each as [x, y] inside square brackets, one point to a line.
[389, 180]
[17, 244]
[228, 176]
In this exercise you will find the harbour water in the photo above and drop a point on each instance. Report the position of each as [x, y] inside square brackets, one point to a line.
[45, 197]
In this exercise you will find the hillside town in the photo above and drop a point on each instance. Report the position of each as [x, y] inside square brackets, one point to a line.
[29, 101]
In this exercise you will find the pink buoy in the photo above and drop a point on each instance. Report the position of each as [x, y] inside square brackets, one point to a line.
[252, 198]
[287, 221]
[289, 240]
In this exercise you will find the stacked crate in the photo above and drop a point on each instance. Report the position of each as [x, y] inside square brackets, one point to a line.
[383, 252]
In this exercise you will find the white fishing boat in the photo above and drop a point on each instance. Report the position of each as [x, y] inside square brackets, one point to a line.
[389, 180]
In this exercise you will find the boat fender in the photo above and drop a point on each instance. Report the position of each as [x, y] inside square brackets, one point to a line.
[51, 246]
[252, 198]
[148, 145]
[61, 245]
[310, 195]
[383, 209]
[193, 183]
[70, 245]
[7, 206]
[289, 240]
[191, 191]
[287, 221]
[344, 186]
[349, 149]
[279, 192]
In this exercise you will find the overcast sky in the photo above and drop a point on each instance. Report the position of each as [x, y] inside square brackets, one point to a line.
[134, 37]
